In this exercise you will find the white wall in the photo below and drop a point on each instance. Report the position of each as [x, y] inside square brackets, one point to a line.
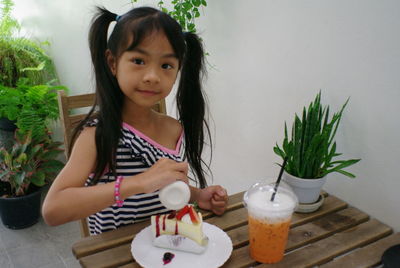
[269, 59]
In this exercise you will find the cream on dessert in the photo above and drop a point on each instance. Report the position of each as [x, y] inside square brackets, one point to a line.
[171, 230]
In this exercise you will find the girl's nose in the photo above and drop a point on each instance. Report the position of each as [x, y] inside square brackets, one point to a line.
[151, 76]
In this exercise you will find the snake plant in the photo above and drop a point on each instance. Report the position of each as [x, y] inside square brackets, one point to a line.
[311, 149]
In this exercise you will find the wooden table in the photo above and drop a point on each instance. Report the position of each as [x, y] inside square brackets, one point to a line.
[337, 235]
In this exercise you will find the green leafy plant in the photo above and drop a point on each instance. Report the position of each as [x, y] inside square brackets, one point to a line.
[28, 97]
[31, 107]
[311, 150]
[21, 57]
[29, 162]
[184, 11]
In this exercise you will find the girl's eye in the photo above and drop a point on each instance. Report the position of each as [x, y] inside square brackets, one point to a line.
[138, 61]
[166, 66]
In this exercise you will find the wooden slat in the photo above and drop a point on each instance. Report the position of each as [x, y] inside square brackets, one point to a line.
[64, 113]
[160, 107]
[235, 201]
[230, 220]
[325, 226]
[112, 258]
[75, 120]
[298, 236]
[81, 101]
[331, 204]
[367, 256]
[96, 243]
[334, 246]
[131, 265]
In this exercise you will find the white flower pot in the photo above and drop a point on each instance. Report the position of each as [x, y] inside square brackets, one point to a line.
[307, 190]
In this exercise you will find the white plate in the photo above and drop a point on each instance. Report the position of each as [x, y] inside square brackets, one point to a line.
[218, 251]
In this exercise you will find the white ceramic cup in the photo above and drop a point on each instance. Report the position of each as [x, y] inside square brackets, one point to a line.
[175, 195]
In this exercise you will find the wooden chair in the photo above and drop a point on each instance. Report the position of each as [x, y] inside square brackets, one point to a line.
[69, 121]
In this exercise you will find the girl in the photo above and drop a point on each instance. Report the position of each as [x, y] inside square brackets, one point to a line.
[125, 151]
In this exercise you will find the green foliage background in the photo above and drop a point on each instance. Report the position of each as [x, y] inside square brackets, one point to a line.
[28, 94]
[184, 11]
[21, 57]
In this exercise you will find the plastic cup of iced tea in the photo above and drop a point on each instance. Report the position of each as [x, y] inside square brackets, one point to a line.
[269, 221]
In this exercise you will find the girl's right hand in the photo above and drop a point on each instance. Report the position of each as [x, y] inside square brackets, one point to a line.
[162, 173]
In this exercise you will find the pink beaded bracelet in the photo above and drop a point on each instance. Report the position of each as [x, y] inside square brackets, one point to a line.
[117, 194]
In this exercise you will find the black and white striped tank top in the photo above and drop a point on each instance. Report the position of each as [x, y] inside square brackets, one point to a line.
[135, 154]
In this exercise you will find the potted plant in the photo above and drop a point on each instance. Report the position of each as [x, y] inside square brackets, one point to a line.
[311, 151]
[24, 170]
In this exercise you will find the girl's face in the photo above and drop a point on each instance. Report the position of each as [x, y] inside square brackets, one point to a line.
[147, 73]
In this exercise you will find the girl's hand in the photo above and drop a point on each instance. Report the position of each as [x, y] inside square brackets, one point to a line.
[162, 173]
[213, 198]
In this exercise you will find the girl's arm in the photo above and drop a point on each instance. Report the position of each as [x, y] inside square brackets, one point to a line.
[68, 199]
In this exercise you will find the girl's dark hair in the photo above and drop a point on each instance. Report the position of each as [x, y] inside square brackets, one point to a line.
[140, 23]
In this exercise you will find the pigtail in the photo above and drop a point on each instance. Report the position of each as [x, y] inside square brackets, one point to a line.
[191, 105]
[108, 130]
[109, 98]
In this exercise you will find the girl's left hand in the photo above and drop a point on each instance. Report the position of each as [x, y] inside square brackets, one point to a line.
[213, 198]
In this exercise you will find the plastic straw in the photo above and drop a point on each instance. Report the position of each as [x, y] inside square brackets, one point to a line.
[279, 179]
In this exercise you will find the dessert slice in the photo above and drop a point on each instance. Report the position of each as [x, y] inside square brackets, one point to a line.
[182, 230]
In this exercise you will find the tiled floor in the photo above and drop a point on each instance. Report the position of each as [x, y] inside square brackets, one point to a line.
[39, 246]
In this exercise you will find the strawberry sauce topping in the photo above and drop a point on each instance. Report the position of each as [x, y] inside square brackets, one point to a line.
[172, 215]
[163, 222]
[157, 226]
[176, 228]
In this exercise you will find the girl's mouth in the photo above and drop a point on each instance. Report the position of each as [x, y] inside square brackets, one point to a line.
[147, 92]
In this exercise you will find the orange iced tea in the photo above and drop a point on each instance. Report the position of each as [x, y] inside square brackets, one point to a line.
[267, 239]
[269, 220]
